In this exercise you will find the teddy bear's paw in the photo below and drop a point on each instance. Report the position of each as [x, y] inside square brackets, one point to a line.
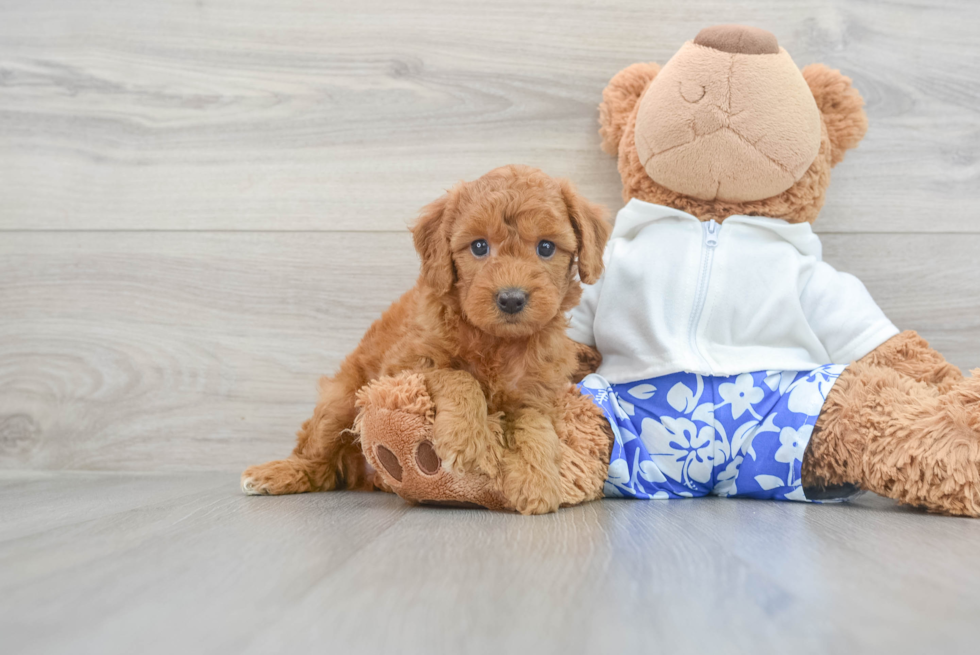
[397, 442]
[410, 466]
[423, 461]
[967, 393]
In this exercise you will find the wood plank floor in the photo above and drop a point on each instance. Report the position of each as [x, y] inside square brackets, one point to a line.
[182, 562]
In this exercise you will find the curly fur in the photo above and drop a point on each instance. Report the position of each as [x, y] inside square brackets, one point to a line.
[398, 413]
[449, 322]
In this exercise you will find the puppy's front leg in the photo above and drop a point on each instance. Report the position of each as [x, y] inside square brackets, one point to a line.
[464, 435]
[531, 480]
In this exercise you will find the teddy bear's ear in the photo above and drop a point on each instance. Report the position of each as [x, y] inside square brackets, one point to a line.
[618, 99]
[431, 236]
[841, 106]
[591, 228]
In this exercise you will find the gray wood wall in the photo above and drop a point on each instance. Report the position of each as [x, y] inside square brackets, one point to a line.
[203, 204]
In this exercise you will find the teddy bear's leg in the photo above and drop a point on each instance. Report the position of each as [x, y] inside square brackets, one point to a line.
[910, 354]
[900, 437]
[395, 424]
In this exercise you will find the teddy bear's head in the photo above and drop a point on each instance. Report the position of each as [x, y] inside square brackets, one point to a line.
[730, 126]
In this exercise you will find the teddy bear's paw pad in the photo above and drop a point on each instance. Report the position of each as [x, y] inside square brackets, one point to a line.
[426, 458]
[390, 462]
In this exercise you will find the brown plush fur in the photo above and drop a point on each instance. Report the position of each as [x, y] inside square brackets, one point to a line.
[520, 363]
[902, 421]
[400, 414]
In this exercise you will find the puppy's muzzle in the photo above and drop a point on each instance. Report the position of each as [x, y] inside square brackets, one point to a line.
[511, 301]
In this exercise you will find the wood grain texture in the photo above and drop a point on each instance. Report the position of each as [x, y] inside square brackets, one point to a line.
[204, 346]
[305, 114]
[185, 350]
[114, 563]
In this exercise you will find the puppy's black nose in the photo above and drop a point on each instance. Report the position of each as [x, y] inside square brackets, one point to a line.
[511, 301]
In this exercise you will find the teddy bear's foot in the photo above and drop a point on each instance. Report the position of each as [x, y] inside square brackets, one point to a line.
[395, 424]
[926, 451]
[895, 436]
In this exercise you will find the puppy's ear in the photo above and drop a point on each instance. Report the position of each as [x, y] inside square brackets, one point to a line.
[591, 228]
[840, 105]
[618, 99]
[431, 236]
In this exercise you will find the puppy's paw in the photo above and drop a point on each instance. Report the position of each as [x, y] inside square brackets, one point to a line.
[531, 489]
[251, 486]
[284, 476]
[475, 448]
[466, 438]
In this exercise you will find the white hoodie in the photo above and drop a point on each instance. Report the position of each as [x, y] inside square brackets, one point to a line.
[750, 294]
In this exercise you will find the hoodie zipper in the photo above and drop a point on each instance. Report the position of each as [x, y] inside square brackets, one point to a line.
[710, 232]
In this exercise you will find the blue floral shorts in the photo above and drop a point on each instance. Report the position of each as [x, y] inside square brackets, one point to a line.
[684, 435]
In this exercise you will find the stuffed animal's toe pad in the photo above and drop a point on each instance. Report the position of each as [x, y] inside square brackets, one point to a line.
[395, 425]
[426, 460]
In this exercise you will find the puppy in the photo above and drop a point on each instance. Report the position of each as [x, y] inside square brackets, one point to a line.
[502, 257]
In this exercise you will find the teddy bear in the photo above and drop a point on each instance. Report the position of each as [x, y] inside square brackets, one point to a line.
[719, 354]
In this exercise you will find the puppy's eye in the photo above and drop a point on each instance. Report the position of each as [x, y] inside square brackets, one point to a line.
[480, 248]
[546, 249]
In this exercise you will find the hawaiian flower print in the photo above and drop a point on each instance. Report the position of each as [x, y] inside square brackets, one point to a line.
[685, 435]
[807, 393]
[679, 449]
[741, 394]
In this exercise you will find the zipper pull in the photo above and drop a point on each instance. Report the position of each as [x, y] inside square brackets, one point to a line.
[711, 231]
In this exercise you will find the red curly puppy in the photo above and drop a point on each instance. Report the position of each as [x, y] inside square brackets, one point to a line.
[501, 258]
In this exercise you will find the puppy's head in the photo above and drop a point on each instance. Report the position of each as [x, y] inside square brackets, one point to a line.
[505, 248]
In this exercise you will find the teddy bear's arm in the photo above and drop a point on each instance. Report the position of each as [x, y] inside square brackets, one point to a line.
[910, 355]
[587, 360]
[581, 318]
